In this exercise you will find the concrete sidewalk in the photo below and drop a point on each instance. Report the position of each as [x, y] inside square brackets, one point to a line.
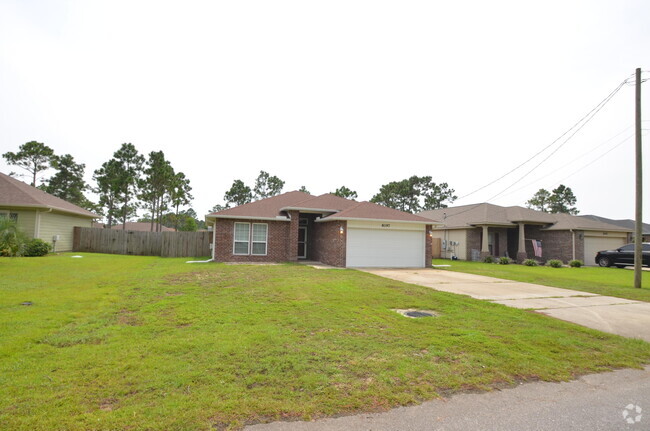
[604, 313]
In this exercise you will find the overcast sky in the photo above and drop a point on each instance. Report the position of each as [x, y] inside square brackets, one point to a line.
[331, 93]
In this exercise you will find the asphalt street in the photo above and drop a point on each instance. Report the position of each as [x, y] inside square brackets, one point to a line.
[618, 400]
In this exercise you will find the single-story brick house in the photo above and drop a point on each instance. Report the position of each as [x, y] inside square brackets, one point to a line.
[41, 215]
[471, 232]
[327, 228]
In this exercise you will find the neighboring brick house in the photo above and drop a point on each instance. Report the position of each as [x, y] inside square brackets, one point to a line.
[327, 228]
[471, 232]
[41, 215]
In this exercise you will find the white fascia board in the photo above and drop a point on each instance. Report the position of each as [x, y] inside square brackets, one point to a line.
[321, 220]
[279, 218]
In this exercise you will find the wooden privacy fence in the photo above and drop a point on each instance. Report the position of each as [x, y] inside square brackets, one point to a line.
[165, 244]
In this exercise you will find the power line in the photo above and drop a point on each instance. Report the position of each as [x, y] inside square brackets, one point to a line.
[577, 158]
[593, 111]
[587, 118]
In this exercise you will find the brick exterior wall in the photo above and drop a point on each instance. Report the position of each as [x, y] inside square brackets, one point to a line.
[277, 249]
[329, 244]
[428, 246]
[292, 245]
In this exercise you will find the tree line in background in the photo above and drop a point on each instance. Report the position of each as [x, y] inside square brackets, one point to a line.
[129, 181]
[560, 200]
[413, 194]
[125, 183]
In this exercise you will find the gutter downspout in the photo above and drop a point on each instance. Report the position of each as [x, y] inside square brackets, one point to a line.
[573, 244]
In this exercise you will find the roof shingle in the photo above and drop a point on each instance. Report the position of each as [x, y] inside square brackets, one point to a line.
[15, 193]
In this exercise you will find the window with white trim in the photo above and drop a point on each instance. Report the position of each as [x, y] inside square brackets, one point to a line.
[260, 237]
[241, 238]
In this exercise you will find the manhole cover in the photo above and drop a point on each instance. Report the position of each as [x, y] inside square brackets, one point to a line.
[417, 314]
[414, 314]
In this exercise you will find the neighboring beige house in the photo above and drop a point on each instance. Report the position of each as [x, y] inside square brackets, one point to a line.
[471, 232]
[41, 215]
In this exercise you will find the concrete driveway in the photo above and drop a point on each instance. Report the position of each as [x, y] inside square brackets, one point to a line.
[604, 313]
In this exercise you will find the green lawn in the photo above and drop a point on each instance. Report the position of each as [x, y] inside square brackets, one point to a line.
[603, 281]
[146, 343]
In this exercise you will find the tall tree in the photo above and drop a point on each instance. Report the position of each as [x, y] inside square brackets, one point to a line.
[32, 156]
[239, 194]
[563, 200]
[130, 168]
[414, 194]
[344, 192]
[304, 190]
[107, 179]
[155, 185]
[180, 193]
[266, 186]
[68, 182]
[540, 200]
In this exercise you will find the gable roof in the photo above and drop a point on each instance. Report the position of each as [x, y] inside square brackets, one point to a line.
[331, 207]
[625, 223]
[15, 193]
[468, 216]
[372, 211]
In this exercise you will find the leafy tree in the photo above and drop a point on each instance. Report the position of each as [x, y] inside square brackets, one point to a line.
[180, 193]
[129, 163]
[219, 207]
[563, 200]
[68, 183]
[304, 190]
[344, 192]
[414, 194]
[12, 239]
[32, 156]
[267, 186]
[107, 179]
[540, 201]
[239, 194]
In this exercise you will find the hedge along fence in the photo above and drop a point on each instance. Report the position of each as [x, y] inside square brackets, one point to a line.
[165, 244]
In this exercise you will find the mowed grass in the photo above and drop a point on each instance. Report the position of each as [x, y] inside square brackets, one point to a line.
[603, 281]
[146, 343]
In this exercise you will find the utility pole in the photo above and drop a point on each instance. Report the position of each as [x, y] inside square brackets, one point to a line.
[638, 246]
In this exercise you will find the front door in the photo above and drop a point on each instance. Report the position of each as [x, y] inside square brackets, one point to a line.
[302, 243]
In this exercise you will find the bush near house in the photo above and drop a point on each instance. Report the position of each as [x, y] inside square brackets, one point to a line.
[530, 262]
[488, 259]
[554, 263]
[505, 260]
[576, 263]
[37, 247]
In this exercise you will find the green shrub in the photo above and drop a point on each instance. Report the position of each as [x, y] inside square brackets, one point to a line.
[576, 263]
[12, 239]
[505, 260]
[37, 247]
[488, 259]
[554, 263]
[530, 262]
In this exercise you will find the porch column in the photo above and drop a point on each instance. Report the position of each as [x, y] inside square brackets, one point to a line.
[485, 248]
[521, 251]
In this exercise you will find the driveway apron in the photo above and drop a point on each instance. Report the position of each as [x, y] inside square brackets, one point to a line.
[604, 313]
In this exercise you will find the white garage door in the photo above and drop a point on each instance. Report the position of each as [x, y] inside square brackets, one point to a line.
[595, 244]
[385, 248]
